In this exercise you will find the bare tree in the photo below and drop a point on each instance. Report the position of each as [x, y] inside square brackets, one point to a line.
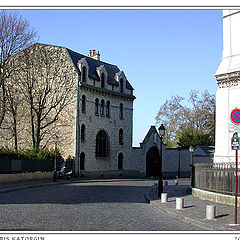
[47, 83]
[15, 35]
[197, 118]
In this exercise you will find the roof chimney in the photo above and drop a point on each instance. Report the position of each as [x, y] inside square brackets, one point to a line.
[93, 54]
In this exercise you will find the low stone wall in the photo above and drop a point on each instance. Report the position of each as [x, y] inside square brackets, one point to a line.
[215, 197]
[18, 177]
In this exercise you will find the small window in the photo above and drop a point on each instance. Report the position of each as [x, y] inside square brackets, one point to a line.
[102, 144]
[120, 161]
[84, 74]
[108, 109]
[121, 85]
[121, 111]
[102, 80]
[83, 103]
[82, 132]
[82, 160]
[102, 108]
[96, 106]
[121, 136]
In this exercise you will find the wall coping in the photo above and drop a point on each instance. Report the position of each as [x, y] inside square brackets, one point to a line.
[215, 197]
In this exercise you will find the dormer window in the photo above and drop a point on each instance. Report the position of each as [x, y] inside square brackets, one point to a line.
[121, 85]
[84, 74]
[102, 80]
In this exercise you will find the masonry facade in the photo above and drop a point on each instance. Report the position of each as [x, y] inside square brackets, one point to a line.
[95, 127]
[105, 115]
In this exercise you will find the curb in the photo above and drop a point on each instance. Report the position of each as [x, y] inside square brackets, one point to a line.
[179, 215]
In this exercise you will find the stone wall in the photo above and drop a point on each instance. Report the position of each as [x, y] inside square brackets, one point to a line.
[111, 125]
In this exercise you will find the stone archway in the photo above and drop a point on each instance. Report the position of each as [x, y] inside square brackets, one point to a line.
[153, 163]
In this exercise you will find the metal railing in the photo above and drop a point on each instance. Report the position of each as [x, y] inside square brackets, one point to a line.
[216, 177]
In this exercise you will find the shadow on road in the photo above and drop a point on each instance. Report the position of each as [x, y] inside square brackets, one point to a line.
[76, 193]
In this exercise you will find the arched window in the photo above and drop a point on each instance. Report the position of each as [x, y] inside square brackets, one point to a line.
[84, 74]
[82, 160]
[83, 103]
[102, 108]
[121, 111]
[96, 106]
[121, 136]
[102, 144]
[108, 109]
[102, 80]
[121, 85]
[120, 161]
[82, 132]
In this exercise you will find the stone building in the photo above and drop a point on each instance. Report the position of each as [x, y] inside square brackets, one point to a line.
[104, 117]
[96, 125]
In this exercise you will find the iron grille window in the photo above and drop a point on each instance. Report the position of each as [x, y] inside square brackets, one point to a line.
[102, 144]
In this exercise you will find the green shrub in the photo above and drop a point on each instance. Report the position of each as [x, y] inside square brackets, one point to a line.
[30, 154]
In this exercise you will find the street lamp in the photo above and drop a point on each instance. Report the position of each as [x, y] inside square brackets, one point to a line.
[191, 149]
[161, 130]
[55, 139]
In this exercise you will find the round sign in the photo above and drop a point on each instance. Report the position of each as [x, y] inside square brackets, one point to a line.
[235, 116]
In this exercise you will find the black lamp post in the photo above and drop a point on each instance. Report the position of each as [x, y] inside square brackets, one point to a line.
[161, 130]
[55, 139]
[179, 163]
[191, 149]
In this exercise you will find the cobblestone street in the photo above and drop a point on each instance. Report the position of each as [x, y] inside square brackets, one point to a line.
[86, 206]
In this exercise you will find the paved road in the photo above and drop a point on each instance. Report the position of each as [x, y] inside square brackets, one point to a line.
[95, 206]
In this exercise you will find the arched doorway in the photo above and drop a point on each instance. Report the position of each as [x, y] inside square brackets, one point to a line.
[153, 163]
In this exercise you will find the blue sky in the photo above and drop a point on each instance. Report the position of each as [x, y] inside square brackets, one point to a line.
[162, 52]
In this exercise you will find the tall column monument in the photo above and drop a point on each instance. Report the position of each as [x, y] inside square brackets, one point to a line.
[228, 92]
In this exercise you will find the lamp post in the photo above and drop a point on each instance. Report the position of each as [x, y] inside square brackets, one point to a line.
[161, 130]
[179, 163]
[191, 149]
[55, 139]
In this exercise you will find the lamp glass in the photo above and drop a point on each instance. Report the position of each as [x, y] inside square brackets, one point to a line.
[191, 148]
[161, 130]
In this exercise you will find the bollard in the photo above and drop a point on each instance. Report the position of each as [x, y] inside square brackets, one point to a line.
[176, 182]
[179, 203]
[210, 212]
[165, 183]
[164, 197]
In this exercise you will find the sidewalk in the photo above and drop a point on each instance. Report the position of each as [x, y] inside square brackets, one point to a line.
[194, 210]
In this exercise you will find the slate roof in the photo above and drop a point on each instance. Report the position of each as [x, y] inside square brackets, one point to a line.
[149, 133]
[93, 64]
